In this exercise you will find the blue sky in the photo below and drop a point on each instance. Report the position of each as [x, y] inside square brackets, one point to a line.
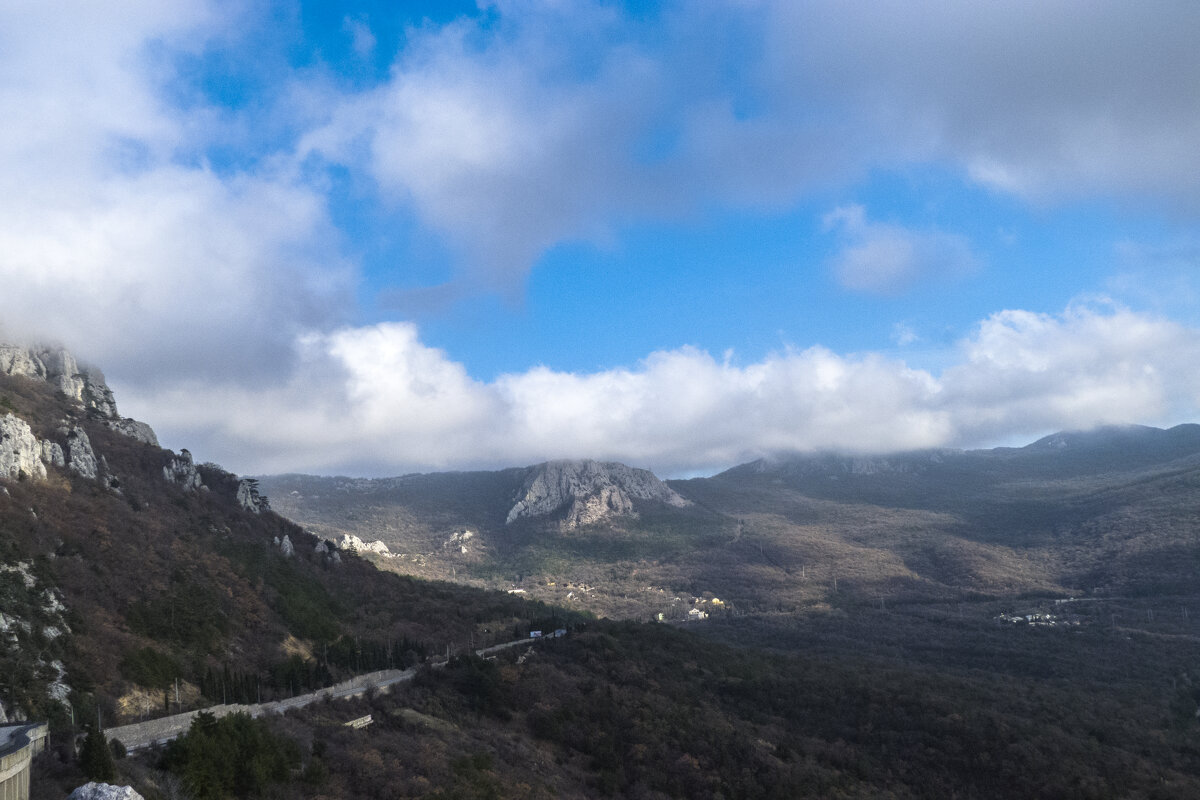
[373, 238]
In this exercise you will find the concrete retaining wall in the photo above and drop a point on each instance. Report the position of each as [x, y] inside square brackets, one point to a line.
[21, 743]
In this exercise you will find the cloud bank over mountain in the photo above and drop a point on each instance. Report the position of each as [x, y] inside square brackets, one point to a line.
[376, 400]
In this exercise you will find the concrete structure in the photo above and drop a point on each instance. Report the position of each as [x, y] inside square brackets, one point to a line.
[18, 745]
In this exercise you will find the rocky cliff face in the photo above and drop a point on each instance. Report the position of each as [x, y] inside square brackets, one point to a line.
[83, 384]
[248, 496]
[20, 451]
[588, 491]
[182, 470]
[23, 455]
[56, 365]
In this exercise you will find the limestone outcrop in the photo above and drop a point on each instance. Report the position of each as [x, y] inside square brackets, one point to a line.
[134, 430]
[56, 365]
[81, 458]
[249, 498]
[588, 491]
[357, 545]
[20, 450]
[83, 384]
[52, 453]
[104, 791]
[182, 470]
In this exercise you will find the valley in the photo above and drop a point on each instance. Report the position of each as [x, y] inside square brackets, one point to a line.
[1022, 622]
[1092, 516]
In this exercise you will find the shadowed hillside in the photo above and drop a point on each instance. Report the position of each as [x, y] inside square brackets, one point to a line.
[850, 645]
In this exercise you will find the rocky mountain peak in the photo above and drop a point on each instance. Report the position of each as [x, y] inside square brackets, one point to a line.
[82, 383]
[588, 491]
[57, 366]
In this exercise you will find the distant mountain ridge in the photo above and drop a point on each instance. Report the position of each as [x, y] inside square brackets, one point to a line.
[1075, 452]
[1103, 508]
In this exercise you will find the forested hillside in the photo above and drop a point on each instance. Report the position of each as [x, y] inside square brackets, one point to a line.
[846, 652]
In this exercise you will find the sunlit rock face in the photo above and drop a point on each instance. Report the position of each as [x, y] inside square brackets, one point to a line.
[104, 791]
[24, 456]
[353, 543]
[80, 456]
[56, 365]
[83, 384]
[589, 491]
[20, 450]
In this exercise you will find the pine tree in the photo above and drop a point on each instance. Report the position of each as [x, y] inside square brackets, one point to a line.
[96, 759]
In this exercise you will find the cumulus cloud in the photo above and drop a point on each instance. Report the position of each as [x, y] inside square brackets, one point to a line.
[1029, 97]
[114, 238]
[220, 302]
[887, 259]
[362, 40]
[375, 400]
[541, 123]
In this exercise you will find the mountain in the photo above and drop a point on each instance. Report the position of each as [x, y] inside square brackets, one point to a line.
[134, 581]
[1104, 511]
[124, 567]
[589, 491]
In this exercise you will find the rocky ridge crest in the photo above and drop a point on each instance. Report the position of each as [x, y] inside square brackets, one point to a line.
[588, 491]
[22, 454]
[56, 365]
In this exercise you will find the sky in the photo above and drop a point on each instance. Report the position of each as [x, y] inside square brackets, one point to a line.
[372, 238]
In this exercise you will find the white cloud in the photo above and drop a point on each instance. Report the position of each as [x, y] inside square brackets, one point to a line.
[376, 400]
[887, 259]
[1030, 97]
[549, 123]
[904, 334]
[219, 301]
[117, 241]
[362, 40]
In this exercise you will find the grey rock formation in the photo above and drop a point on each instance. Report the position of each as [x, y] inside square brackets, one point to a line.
[353, 543]
[104, 791]
[589, 491]
[81, 457]
[249, 498]
[20, 361]
[20, 450]
[85, 385]
[134, 430]
[286, 547]
[52, 453]
[182, 470]
[57, 366]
